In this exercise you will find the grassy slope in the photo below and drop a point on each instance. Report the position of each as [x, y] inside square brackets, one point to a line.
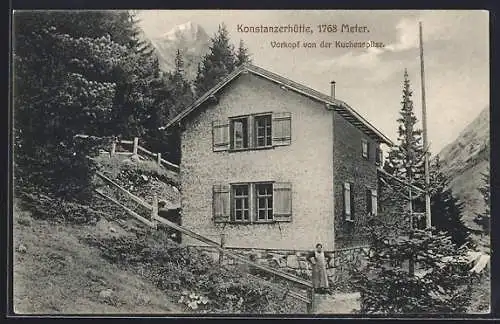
[59, 273]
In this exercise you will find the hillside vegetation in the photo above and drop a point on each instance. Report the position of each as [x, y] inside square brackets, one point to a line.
[111, 263]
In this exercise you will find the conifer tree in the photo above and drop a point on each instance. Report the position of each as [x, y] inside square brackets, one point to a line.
[64, 85]
[242, 54]
[140, 88]
[217, 63]
[389, 286]
[411, 270]
[446, 210]
[406, 159]
[176, 94]
[181, 87]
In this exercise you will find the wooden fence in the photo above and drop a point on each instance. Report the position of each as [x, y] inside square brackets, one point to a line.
[137, 149]
[154, 219]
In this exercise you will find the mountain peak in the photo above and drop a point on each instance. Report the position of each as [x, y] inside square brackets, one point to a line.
[186, 30]
[190, 38]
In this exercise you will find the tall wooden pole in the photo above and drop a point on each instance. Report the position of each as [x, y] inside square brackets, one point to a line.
[424, 126]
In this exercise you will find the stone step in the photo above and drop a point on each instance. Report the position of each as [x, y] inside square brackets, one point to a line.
[341, 303]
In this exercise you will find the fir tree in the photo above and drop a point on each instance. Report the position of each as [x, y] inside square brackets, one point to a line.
[217, 63]
[140, 85]
[411, 270]
[176, 95]
[181, 87]
[446, 210]
[242, 55]
[406, 160]
[389, 286]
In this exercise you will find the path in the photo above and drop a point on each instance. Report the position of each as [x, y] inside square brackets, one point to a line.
[341, 303]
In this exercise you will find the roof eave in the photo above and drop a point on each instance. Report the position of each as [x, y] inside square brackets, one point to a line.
[338, 104]
[204, 97]
[357, 120]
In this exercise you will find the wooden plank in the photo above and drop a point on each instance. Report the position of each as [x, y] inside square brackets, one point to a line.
[156, 155]
[128, 210]
[131, 195]
[400, 181]
[169, 164]
[125, 142]
[226, 252]
[140, 148]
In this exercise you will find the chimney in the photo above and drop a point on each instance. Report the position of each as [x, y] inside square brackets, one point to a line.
[332, 87]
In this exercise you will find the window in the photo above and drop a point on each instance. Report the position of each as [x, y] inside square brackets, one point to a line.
[371, 202]
[379, 156]
[261, 202]
[241, 210]
[239, 133]
[264, 201]
[263, 131]
[252, 132]
[348, 202]
[365, 150]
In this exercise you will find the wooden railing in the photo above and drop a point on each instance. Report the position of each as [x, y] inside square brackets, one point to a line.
[136, 148]
[154, 219]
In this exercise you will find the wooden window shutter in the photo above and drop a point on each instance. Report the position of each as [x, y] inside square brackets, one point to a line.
[282, 128]
[374, 203]
[221, 203]
[365, 149]
[347, 201]
[378, 156]
[369, 206]
[282, 202]
[220, 135]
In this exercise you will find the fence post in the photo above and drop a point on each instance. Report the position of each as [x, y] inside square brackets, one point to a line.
[113, 148]
[158, 159]
[136, 143]
[154, 211]
[310, 305]
[222, 243]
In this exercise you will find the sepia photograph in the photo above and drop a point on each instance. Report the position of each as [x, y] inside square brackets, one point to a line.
[194, 163]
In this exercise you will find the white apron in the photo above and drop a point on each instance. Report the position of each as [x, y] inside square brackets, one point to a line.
[319, 275]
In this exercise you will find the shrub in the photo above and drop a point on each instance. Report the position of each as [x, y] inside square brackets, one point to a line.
[58, 209]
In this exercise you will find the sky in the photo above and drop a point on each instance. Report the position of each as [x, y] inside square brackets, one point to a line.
[456, 56]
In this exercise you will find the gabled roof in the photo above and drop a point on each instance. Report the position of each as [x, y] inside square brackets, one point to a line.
[339, 106]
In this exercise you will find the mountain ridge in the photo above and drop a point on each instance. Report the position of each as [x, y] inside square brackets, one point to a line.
[464, 161]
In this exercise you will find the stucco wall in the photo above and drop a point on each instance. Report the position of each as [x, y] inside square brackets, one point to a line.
[351, 166]
[306, 163]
